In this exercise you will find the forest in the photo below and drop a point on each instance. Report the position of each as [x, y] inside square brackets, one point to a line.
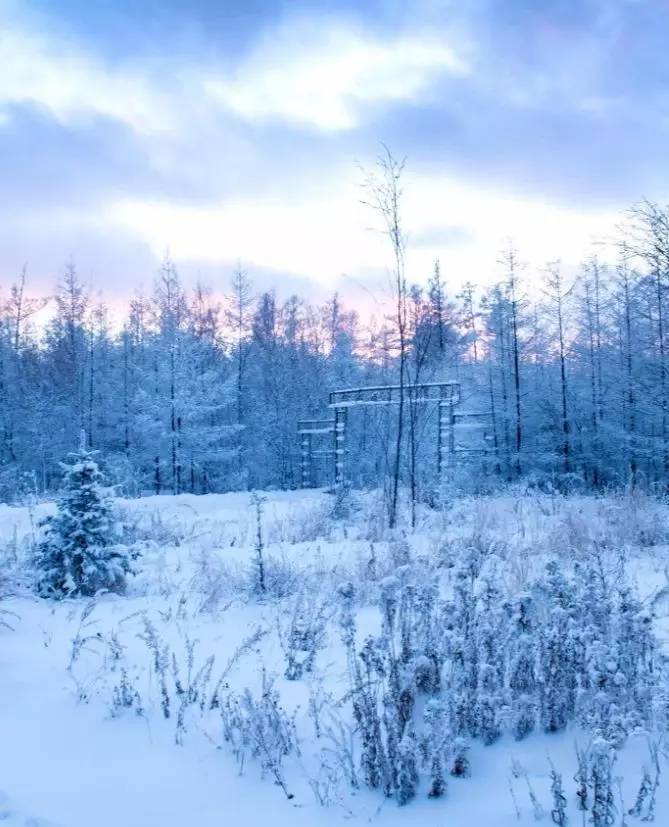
[201, 390]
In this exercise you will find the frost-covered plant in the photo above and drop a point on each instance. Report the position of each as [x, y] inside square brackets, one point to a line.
[78, 554]
[387, 676]
[522, 668]
[258, 569]
[559, 805]
[491, 663]
[574, 646]
[558, 678]
[644, 805]
[259, 728]
[436, 746]
[7, 618]
[178, 683]
[364, 692]
[460, 767]
[603, 810]
[303, 636]
[407, 769]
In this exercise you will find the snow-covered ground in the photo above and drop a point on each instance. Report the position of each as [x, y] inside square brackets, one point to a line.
[72, 754]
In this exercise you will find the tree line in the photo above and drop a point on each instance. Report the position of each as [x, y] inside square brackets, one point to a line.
[196, 393]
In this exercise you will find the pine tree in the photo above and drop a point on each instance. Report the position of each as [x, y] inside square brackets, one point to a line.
[78, 556]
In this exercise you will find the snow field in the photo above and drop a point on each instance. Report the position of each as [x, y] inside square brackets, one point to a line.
[72, 756]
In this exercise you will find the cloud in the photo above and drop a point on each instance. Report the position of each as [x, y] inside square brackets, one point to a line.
[227, 130]
[71, 84]
[308, 71]
[324, 76]
[315, 235]
[463, 224]
[441, 235]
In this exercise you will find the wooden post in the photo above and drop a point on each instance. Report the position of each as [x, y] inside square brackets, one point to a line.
[340, 446]
[306, 460]
[446, 438]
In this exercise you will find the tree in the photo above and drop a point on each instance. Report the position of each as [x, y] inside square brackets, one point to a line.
[591, 314]
[384, 194]
[239, 319]
[67, 355]
[437, 307]
[469, 316]
[78, 555]
[14, 313]
[557, 295]
[511, 264]
[626, 323]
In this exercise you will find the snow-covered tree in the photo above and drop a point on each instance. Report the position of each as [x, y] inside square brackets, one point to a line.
[79, 554]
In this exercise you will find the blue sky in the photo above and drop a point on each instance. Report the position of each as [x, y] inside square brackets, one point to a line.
[226, 130]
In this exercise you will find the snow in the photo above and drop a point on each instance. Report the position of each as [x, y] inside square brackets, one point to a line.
[65, 762]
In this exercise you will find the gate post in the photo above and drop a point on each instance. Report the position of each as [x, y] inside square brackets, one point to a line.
[306, 460]
[446, 438]
[340, 415]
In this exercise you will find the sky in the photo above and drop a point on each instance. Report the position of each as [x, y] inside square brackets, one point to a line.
[240, 130]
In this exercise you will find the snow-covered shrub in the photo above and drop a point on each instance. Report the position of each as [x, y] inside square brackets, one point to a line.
[388, 675]
[186, 685]
[639, 519]
[460, 767]
[522, 662]
[559, 800]
[8, 559]
[259, 728]
[407, 768]
[491, 706]
[575, 646]
[78, 554]
[174, 680]
[644, 804]
[308, 523]
[283, 578]
[211, 581]
[122, 474]
[303, 635]
[7, 618]
[603, 810]
[436, 746]
[257, 576]
[373, 517]
[154, 526]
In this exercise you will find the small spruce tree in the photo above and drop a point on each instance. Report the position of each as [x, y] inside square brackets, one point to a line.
[78, 555]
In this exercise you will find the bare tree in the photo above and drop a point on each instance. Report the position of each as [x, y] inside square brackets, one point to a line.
[383, 188]
[591, 309]
[510, 262]
[626, 339]
[557, 295]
